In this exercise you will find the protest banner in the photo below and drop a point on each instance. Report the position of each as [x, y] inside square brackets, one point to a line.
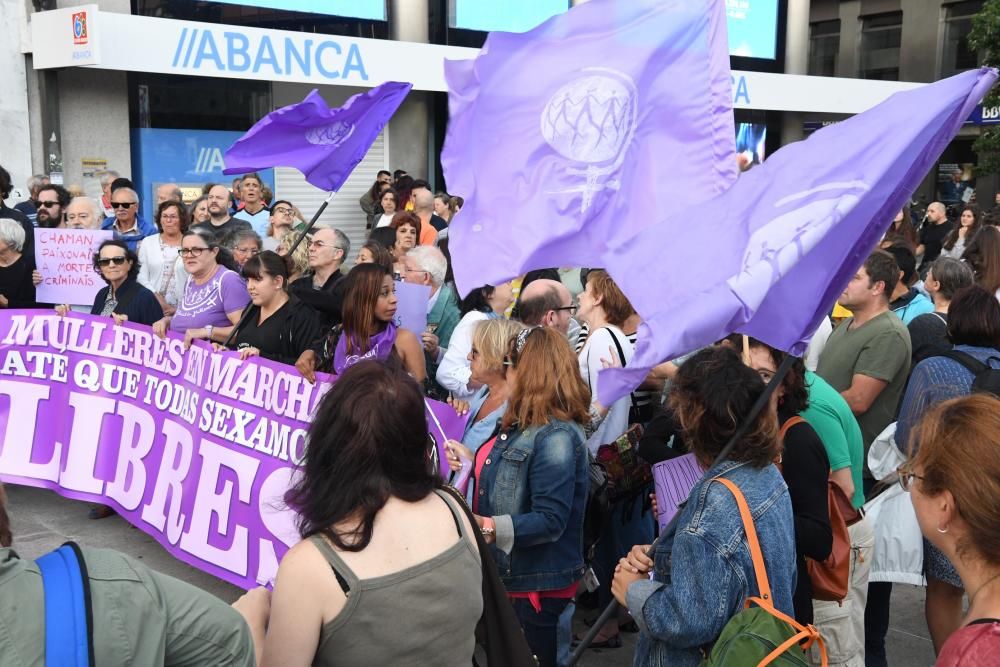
[411, 306]
[195, 447]
[65, 258]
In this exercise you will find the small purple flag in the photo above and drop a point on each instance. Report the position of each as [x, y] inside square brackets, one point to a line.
[772, 254]
[324, 144]
[583, 130]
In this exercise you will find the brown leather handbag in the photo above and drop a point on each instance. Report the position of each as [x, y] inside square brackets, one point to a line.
[830, 578]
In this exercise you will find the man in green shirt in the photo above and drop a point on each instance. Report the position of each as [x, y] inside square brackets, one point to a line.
[867, 357]
[140, 617]
[831, 417]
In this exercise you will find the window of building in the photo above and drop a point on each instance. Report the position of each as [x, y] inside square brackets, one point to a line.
[824, 44]
[880, 38]
[956, 56]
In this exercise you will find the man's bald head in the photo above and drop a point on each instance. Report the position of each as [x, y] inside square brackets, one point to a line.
[546, 303]
[936, 211]
[423, 202]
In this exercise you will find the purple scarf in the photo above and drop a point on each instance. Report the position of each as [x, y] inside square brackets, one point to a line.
[379, 347]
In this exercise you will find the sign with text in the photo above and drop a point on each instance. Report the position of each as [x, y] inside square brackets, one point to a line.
[65, 258]
[194, 447]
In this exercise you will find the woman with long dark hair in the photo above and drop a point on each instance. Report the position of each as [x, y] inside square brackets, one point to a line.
[983, 255]
[901, 231]
[532, 483]
[281, 327]
[958, 238]
[388, 572]
[367, 330]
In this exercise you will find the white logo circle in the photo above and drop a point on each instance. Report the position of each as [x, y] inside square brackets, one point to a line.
[330, 135]
[592, 118]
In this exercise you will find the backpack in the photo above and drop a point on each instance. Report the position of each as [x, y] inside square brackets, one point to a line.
[68, 621]
[760, 634]
[986, 380]
[830, 578]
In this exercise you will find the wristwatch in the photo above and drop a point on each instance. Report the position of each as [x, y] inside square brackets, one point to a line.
[209, 328]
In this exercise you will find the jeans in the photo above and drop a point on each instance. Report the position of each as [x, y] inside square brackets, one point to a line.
[541, 628]
[627, 525]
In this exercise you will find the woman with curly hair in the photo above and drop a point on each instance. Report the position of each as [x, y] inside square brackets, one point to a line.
[703, 575]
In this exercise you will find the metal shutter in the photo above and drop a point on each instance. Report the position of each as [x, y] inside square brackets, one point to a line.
[344, 212]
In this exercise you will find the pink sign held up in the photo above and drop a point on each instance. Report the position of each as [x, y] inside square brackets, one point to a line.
[65, 258]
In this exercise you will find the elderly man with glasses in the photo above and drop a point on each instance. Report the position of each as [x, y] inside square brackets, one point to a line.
[126, 223]
[322, 287]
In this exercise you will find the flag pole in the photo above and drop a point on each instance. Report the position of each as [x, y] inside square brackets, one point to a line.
[252, 308]
[671, 527]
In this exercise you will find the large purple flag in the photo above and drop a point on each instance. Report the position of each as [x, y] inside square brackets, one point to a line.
[771, 255]
[585, 130]
[324, 144]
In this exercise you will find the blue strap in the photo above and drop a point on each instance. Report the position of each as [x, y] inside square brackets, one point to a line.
[67, 640]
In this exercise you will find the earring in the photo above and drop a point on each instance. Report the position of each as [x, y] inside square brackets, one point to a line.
[942, 530]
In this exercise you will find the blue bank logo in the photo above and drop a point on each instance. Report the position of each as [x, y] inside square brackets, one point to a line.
[201, 49]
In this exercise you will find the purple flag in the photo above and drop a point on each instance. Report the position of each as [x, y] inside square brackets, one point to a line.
[774, 252]
[324, 144]
[583, 130]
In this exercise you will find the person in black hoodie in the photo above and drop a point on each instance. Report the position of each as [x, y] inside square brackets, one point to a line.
[276, 325]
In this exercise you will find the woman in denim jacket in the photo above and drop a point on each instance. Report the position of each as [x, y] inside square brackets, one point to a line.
[532, 483]
[703, 575]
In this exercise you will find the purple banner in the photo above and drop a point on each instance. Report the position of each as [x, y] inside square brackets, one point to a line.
[194, 447]
[674, 479]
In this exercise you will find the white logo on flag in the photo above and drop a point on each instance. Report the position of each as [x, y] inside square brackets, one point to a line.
[333, 134]
[591, 121]
[776, 247]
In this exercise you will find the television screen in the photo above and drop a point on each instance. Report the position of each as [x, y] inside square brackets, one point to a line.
[371, 10]
[752, 24]
[750, 139]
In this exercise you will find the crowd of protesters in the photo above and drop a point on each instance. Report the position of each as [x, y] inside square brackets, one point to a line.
[391, 566]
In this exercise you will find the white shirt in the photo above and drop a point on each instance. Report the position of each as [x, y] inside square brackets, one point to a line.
[384, 221]
[153, 261]
[599, 344]
[816, 345]
[455, 372]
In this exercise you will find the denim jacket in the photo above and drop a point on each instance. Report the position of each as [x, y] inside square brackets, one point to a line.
[534, 484]
[704, 574]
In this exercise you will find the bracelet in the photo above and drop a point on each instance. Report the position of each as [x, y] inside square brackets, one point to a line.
[209, 328]
[488, 529]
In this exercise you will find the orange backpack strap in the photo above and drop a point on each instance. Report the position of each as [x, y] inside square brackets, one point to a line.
[792, 421]
[755, 554]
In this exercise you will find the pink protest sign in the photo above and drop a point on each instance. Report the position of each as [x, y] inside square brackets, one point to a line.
[411, 306]
[194, 447]
[65, 258]
[674, 479]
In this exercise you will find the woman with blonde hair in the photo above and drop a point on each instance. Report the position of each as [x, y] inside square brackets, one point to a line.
[299, 258]
[532, 484]
[490, 343]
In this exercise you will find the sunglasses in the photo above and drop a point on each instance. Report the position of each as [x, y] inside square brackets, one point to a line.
[108, 261]
[46, 204]
[122, 204]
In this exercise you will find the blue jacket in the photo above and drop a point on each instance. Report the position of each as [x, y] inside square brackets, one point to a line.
[704, 574]
[134, 301]
[145, 228]
[534, 484]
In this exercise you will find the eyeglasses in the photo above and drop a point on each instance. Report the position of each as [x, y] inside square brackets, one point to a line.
[122, 204]
[906, 477]
[170, 216]
[191, 252]
[284, 211]
[108, 261]
[571, 308]
[46, 204]
[252, 250]
[323, 244]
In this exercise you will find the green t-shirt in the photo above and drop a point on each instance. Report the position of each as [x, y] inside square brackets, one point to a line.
[141, 617]
[831, 417]
[880, 349]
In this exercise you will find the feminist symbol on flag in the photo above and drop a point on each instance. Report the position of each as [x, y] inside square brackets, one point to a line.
[591, 120]
[778, 245]
[333, 134]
